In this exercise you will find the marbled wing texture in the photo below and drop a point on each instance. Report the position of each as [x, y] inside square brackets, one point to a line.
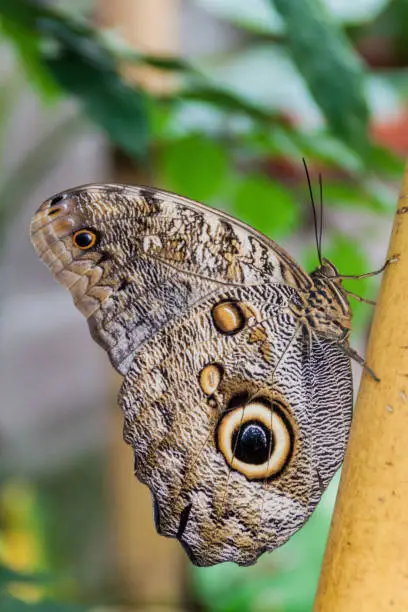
[237, 392]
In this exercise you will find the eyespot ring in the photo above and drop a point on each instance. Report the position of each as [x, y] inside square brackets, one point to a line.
[256, 439]
[84, 239]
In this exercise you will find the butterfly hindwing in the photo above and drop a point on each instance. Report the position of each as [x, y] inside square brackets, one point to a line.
[181, 428]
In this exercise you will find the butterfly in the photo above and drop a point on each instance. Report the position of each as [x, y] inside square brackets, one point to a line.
[237, 384]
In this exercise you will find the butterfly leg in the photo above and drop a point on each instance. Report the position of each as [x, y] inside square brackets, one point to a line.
[389, 261]
[354, 355]
[360, 299]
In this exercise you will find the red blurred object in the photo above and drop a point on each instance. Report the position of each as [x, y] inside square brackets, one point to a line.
[393, 134]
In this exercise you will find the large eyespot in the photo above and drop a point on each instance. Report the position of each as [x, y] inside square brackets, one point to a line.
[228, 317]
[84, 239]
[256, 439]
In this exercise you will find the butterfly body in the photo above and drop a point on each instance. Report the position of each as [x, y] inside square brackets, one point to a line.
[237, 391]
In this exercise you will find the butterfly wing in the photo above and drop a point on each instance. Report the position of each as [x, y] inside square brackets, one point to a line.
[238, 434]
[157, 255]
[238, 416]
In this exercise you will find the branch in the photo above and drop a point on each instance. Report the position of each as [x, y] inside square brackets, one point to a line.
[366, 561]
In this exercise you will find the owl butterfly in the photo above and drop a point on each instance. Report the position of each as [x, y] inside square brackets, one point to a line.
[237, 390]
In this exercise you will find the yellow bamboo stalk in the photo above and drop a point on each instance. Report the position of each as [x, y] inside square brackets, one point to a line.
[150, 568]
[365, 567]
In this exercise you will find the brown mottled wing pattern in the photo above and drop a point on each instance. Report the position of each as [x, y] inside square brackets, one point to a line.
[157, 256]
[237, 412]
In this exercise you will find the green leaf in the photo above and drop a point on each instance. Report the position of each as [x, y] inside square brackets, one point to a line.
[366, 194]
[84, 68]
[15, 25]
[195, 166]
[226, 100]
[323, 146]
[266, 205]
[253, 15]
[107, 101]
[126, 53]
[385, 162]
[180, 118]
[330, 67]
[69, 52]
[263, 76]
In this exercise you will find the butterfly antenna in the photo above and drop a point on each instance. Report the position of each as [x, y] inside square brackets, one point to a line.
[314, 211]
[321, 218]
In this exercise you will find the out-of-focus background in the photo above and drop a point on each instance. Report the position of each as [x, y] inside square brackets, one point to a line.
[218, 100]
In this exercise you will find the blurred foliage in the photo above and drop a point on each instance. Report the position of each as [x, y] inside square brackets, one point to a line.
[261, 17]
[24, 585]
[61, 52]
[44, 555]
[331, 69]
[232, 133]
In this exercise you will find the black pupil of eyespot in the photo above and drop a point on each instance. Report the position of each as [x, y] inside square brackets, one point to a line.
[253, 443]
[84, 239]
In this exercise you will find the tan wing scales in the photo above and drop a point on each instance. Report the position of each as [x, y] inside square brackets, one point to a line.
[237, 393]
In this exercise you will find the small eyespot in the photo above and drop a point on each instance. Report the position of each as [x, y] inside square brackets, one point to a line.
[84, 239]
[210, 378]
[53, 211]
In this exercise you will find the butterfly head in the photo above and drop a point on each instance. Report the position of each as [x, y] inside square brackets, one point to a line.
[327, 269]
